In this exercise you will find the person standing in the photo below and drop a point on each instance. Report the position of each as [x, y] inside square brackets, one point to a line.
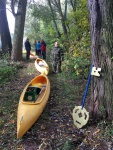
[57, 56]
[43, 49]
[28, 48]
[38, 47]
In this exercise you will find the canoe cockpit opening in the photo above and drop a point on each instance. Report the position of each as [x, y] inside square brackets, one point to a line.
[32, 93]
[41, 63]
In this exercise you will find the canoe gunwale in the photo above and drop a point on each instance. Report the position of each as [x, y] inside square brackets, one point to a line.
[37, 101]
[42, 69]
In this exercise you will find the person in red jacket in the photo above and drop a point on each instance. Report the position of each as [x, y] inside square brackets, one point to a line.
[43, 49]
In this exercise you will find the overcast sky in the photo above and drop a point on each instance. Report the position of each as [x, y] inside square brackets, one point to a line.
[11, 21]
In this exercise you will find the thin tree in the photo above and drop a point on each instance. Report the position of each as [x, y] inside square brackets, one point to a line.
[54, 20]
[4, 29]
[62, 15]
[101, 23]
[19, 29]
[56, 6]
[73, 4]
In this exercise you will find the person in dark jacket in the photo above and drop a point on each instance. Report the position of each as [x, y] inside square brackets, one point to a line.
[43, 49]
[57, 56]
[28, 48]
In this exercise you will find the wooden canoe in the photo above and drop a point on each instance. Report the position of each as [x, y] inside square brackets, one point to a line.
[42, 66]
[32, 103]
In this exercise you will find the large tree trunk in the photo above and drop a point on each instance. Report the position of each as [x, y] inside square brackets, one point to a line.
[19, 31]
[4, 29]
[101, 20]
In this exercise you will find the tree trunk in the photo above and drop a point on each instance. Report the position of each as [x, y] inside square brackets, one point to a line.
[4, 29]
[101, 23]
[19, 31]
[57, 8]
[54, 21]
[73, 4]
[63, 17]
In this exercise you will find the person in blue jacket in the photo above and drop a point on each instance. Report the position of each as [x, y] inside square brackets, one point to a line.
[38, 47]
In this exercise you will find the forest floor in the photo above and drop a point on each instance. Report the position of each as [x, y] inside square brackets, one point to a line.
[54, 130]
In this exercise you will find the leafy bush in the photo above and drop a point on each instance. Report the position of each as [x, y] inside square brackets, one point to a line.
[8, 70]
[76, 67]
[6, 73]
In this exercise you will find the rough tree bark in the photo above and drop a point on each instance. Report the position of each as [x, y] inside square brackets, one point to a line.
[19, 31]
[101, 23]
[4, 29]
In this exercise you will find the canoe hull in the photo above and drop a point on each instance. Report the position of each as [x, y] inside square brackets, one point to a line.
[33, 57]
[29, 112]
[32, 54]
[44, 68]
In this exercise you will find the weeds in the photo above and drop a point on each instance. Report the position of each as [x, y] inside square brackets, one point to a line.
[8, 69]
[106, 129]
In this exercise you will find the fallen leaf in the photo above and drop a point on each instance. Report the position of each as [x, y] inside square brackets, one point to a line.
[12, 121]
[96, 132]
[85, 141]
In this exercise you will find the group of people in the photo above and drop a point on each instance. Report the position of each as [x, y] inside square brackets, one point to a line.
[40, 48]
[56, 56]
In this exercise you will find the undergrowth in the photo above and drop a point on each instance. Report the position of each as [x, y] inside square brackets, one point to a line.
[8, 69]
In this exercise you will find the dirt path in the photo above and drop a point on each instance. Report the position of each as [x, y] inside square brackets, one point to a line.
[54, 130]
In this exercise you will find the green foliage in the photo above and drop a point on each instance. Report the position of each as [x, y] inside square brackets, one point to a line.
[106, 129]
[6, 73]
[77, 58]
[30, 70]
[68, 145]
[76, 67]
[39, 23]
[42, 12]
[8, 70]
[102, 111]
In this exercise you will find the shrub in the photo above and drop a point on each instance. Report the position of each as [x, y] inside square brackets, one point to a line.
[8, 70]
